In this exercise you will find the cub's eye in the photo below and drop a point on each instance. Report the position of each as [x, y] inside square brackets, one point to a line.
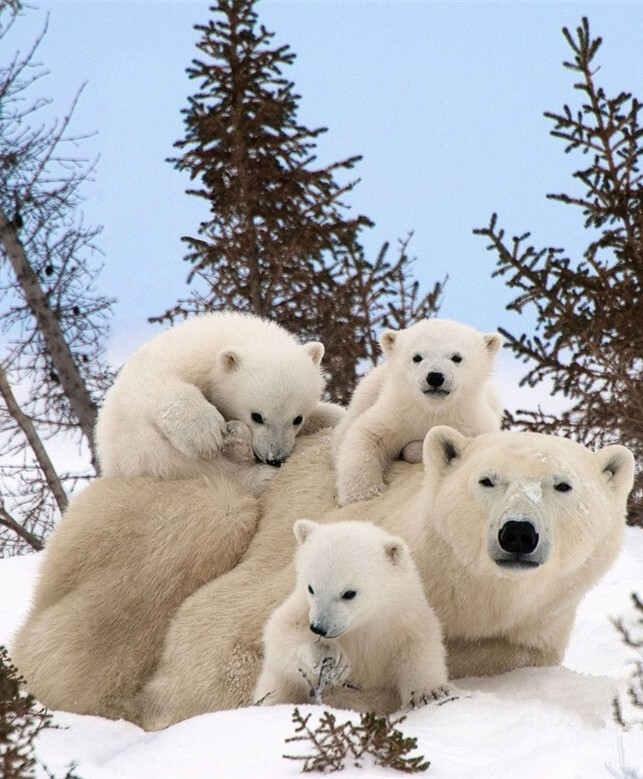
[562, 486]
[417, 358]
[310, 590]
[256, 417]
[486, 482]
[456, 358]
[348, 595]
[298, 420]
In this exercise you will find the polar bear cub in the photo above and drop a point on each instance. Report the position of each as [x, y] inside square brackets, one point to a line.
[357, 631]
[435, 372]
[166, 414]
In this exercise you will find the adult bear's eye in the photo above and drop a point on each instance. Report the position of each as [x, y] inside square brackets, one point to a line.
[456, 358]
[348, 595]
[298, 420]
[310, 590]
[417, 358]
[562, 486]
[486, 482]
[256, 417]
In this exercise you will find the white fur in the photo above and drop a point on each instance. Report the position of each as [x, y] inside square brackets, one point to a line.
[358, 608]
[121, 626]
[166, 414]
[494, 618]
[435, 373]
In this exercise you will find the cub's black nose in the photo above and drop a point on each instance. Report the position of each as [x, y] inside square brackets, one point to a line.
[435, 379]
[518, 537]
[275, 463]
[320, 630]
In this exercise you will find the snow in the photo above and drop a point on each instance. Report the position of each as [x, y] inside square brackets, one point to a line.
[532, 722]
[533, 491]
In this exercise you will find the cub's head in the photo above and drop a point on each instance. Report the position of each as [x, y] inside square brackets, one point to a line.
[272, 389]
[350, 571]
[521, 504]
[440, 358]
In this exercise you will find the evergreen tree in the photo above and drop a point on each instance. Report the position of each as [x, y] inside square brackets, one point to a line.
[589, 340]
[278, 243]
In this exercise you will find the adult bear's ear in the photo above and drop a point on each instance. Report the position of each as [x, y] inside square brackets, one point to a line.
[387, 341]
[442, 448]
[229, 359]
[303, 528]
[316, 351]
[492, 342]
[396, 551]
[616, 463]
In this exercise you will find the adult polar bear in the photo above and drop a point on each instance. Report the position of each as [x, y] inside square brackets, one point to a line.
[165, 416]
[508, 531]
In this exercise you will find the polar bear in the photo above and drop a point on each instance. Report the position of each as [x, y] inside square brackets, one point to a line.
[357, 631]
[508, 530]
[434, 372]
[165, 416]
[122, 559]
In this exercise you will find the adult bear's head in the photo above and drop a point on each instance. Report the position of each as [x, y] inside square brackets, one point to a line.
[522, 504]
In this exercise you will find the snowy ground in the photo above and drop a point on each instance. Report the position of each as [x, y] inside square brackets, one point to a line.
[539, 722]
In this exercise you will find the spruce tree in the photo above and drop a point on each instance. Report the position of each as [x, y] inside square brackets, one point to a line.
[278, 242]
[589, 332]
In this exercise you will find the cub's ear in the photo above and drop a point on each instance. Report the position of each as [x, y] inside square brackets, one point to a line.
[229, 359]
[396, 551]
[443, 446]
[316, 351]
[616, 463]
[492, 342]
[303, 528]
[387, 341]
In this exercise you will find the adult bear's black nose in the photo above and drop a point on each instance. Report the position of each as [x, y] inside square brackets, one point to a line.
[435, 379]
[518, 537]
[276, 463]
[318, 628]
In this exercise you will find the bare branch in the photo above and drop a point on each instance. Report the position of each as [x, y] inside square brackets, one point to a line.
[9, 522]
[26, 425]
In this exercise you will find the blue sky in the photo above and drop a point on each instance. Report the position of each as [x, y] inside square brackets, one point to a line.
[444, 100]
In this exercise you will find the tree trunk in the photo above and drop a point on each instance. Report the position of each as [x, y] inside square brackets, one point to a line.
[61, 358]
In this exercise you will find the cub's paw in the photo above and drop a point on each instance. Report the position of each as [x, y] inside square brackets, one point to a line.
[439, 695]
[256, 478]
[237, 442]
[197, 430]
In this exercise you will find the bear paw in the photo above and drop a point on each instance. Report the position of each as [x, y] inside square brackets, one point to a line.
[256, 478]
[237, 442]
[197, 432]
[440, 695]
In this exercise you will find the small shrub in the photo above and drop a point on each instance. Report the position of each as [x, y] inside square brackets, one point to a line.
[21, 720]
[628, 709]
[335, 743]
